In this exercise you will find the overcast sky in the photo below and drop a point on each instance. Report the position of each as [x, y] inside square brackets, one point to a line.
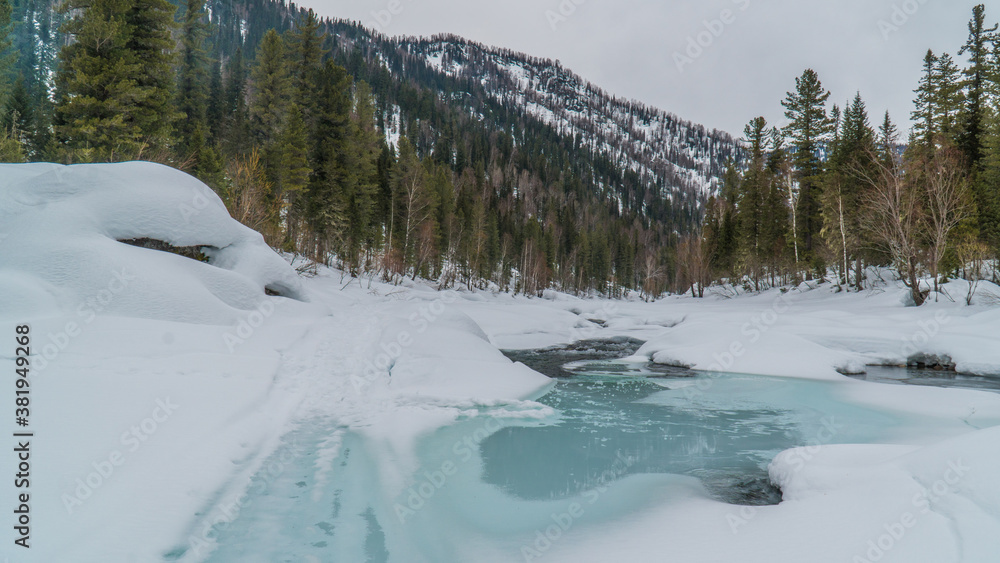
[747, 53]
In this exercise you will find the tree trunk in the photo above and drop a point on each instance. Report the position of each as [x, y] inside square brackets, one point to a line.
[918, 298]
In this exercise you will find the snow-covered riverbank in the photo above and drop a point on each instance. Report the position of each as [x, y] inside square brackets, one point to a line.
[164, 388]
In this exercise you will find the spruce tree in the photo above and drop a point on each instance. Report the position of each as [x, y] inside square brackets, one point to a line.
[18, 120]
[888, 140]
[97, 84]
[215, 113]
[306, 54]
[7, 56]
[268, 108]
[192, 77]
[114, 86]
[150, 41]
[235, 130]
[752, 199]
[852, 160]
[323, 206]
[973, 114]
[949, 96]
[809, 129]
[925, 105]
[361, 161]
[294, 155]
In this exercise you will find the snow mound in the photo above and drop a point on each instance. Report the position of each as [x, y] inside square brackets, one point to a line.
[61, 246]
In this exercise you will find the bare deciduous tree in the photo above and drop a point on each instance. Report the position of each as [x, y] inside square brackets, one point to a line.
[249, 193]
[895, 220]
[947, 199]
[694, 269]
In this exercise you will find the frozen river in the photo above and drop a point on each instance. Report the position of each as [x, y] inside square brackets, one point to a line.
[499, 484]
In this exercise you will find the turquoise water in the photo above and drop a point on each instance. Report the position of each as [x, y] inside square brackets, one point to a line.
[618, 431]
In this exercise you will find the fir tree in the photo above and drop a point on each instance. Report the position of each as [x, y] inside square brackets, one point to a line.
[98, 84]
[324, 206]
[752, 199]
[306, 54]
[949, 97]
[361, 160]
[973, 115]
[150, 41]
[925, 105]
[888, 139]
[192, 77]
[18, 121]
[810, 127]
[235, 130]
[268, 108]
[851, 161]
[7, 56]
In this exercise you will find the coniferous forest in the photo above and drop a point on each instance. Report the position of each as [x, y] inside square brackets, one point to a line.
[332, 151]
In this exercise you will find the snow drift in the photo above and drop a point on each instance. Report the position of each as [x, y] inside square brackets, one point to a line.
[61, 226]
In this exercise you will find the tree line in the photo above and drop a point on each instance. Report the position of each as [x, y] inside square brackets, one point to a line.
[833, 192]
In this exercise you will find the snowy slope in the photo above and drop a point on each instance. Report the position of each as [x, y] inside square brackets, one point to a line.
[662, 149]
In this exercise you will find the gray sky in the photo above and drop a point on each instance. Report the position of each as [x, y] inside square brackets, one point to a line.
[743, 67]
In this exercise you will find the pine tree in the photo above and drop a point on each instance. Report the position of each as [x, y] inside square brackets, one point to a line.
[809, 129]
[114, 88]
[293, 149]
[306, 54]
[235, 130]
[295, 152]
[925, 105]
[97, 84]
[973, 115]
[323, 206]
[151, 43]
[215, 113]
[361, 160]
[752, 199]
[18, 120]
[268, 108]
[888, 139]
[7, 56]
[949, 97]
[851, 161]
[192, 77]
[775, 228]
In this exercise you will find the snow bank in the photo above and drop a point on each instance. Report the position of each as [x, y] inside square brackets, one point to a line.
[60, 228]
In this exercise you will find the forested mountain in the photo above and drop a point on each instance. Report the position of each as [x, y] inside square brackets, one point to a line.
[563, 182]
[465, 164]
